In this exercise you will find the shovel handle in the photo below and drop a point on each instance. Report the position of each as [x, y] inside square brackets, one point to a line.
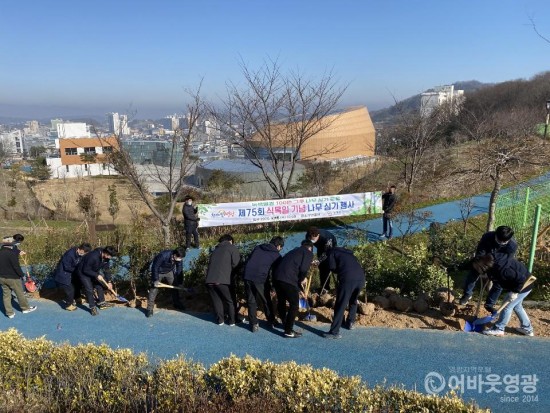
[526, 284]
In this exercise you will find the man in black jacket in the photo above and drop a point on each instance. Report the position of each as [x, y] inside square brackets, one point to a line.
[322, 240]
[10, 280]
[351, 279]
[89, 271]
[511, 276]
[190, 222]
[502, 246]
[65, 274]
[256, 272]
[219, 278]
[167, 268]
[288, 277]
[389, 199]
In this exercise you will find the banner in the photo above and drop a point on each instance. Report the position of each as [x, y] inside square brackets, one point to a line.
[253, 212]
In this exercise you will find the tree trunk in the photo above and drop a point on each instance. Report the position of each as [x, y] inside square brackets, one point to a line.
[166, 233]
[493, 200]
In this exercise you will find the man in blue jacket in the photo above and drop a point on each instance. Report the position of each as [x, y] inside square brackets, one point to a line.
[256, 281]
[89, 271]
[65, 274]
[322, 240]
[351, 279]
[167, 268]
[501, 245]
[288, 277]
[511, 277]
[219, 279]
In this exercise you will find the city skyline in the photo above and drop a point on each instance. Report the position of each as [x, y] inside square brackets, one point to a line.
[71, 59]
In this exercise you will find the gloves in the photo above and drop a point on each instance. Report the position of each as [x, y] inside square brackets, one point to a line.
[511, 296]
[156, 284]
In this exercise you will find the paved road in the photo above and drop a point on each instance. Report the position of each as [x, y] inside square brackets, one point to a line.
[407, 357]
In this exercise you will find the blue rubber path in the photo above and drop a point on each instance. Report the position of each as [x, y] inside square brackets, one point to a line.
[417, 359]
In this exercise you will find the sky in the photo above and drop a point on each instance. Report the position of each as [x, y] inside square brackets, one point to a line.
[67, 57]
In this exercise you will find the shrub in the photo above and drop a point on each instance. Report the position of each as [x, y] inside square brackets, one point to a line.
[36, 375]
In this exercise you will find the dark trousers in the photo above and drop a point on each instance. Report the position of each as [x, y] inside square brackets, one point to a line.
[166, 278]
[222, 300]
[90, 285]
[324, 273]
[346, 295]
[291, 294]
[68, 292]
[470, 284]
[387, 225]
[258, 291]
[191, 231]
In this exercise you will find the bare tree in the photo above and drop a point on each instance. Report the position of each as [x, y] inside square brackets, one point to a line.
[412, 138]
[502, 142]
[274, 115]
[171, 177]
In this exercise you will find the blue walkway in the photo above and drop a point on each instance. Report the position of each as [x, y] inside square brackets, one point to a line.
[378, 355]
[417, 359]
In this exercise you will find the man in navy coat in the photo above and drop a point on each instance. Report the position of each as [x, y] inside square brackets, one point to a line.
[65, 274]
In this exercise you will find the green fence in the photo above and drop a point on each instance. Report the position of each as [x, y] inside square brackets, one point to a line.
[517, 208]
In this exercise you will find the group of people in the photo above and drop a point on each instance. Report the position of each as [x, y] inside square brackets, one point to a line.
[265, 268]
[83, 268]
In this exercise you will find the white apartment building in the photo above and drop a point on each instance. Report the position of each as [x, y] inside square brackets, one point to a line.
[13, 142]
[67, 130]
[439, 96]
[118, 124]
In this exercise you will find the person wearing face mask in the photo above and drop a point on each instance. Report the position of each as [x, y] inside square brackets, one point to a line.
[65, 274]
[502, 246]
[190, 222]
[94, 274]
[167, 268]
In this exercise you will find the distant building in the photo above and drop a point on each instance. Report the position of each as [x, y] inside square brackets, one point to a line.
[118, 124]
[13, 143]
[439, 96]
[349, 134]
[82, 157]
[67, 130]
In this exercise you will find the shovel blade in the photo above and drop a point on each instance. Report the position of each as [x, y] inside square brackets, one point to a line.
[473, 326]
[303, 304]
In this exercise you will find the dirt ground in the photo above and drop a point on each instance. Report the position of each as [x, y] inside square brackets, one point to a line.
[197, 301]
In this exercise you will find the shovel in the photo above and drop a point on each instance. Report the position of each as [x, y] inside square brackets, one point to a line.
[30, 285]
[163, 285]
[471, 325]
[493, 317]
[303, 304]
[118, 297]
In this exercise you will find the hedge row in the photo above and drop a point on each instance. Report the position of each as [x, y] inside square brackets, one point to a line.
[40, 376]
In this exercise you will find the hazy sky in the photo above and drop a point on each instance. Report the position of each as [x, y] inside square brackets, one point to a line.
[68, 57]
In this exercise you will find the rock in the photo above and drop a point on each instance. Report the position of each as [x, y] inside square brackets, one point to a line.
[426, 297]
[381, 302]
[447, 308]
[393, 299]
[442, 295]
[420, 306]
[403, 304]
[389, 291]
[324, 300]
[365, 308]
[314, 300]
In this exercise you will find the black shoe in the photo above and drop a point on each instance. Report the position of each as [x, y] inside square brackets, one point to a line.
[105, 305]
[293, 334]
[332, 336]
[254, 328]
[93, 311]
[464, 299]
[350, 326]
[149, 313]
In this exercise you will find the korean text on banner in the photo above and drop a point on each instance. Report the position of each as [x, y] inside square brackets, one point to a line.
[237, 213]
